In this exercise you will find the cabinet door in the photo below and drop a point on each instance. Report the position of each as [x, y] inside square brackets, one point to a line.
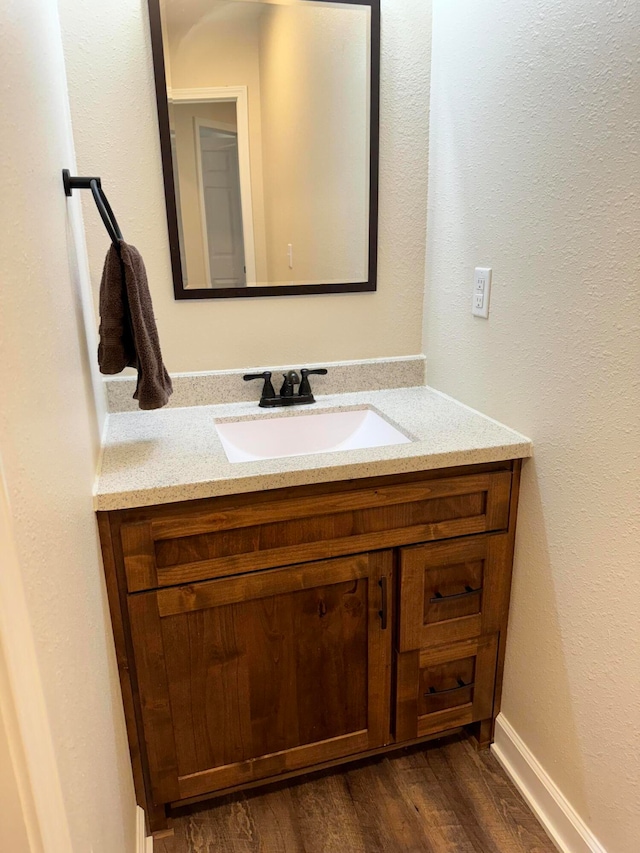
[252, 676]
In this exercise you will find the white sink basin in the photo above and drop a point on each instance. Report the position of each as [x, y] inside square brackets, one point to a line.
[299, 435]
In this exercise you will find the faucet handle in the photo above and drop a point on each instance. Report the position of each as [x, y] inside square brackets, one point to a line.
[305, 388]
[268, 391]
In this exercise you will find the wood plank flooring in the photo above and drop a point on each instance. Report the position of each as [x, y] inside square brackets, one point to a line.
[439, 798]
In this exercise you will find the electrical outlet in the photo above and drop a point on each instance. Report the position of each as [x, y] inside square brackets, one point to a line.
[481, 292]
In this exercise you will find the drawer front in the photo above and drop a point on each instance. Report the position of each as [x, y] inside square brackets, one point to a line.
[232, 537]
[451, 591]
[445, 686]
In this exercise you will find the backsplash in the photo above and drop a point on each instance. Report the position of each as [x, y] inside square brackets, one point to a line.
[226, 386]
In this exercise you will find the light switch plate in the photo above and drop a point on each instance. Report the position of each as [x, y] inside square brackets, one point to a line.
[481, 292]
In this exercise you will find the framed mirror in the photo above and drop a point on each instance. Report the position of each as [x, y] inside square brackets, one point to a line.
[268, 115]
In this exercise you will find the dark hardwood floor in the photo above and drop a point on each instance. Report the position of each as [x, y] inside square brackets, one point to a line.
[440, 798]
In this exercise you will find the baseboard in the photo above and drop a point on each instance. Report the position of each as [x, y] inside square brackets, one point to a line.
[144, 844]
[562, 823]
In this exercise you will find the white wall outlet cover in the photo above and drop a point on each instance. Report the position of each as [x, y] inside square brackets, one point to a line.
[481, 292]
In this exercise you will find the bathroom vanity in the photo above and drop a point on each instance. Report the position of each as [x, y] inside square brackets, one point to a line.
[308, 611]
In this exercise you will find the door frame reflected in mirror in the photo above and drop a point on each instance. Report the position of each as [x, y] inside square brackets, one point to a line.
[162, 99]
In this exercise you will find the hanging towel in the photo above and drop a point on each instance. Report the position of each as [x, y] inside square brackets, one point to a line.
[128, 333]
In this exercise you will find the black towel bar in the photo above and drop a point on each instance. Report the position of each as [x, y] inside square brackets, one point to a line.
[102, 203]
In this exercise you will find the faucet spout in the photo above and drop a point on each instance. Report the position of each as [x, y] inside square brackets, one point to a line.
[291, 379]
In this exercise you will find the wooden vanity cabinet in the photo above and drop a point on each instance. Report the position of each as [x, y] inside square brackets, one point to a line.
[266, 634]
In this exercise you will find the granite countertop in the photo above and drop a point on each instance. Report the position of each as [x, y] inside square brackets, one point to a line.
[176, 454]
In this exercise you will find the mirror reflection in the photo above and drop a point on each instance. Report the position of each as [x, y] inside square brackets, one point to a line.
[269, 121]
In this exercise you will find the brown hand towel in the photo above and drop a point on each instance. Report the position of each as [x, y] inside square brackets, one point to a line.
[128, 333]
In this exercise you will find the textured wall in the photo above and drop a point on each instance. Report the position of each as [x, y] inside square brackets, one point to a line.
[115, 130]
[535, 172]
[49, 445]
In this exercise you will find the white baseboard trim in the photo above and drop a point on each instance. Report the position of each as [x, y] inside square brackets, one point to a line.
[144, 844]
[562, 823]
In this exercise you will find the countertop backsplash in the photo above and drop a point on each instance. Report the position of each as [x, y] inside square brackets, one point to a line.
[226, 386]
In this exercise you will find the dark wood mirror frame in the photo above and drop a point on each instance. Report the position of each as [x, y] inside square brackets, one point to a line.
[169, 189]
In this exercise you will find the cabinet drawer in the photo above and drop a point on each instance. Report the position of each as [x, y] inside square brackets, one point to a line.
[227, 536]
[452, 591]
[445, 687]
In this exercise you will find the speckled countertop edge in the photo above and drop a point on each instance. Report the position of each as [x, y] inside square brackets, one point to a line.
[175, 454]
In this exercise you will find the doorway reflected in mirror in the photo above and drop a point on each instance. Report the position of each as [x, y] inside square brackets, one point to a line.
[213, 192]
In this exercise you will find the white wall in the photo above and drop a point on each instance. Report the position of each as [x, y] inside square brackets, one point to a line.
[535, 122]
[109, 67]
[54, 625]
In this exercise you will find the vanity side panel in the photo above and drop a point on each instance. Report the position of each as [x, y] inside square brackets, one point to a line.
[155, 815]
[483, 732]
[503, 594]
